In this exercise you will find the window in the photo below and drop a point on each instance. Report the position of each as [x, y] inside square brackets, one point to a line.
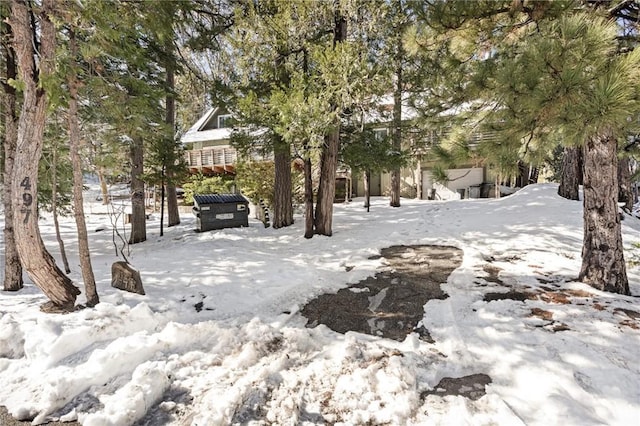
[224, 121]
[380, 134]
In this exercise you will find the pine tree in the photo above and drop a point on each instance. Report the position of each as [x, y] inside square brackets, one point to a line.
[366, 152]
[12, 266]
[323, 215]
[73, 120]
[37, 261]
[296, 78]
[558, 72]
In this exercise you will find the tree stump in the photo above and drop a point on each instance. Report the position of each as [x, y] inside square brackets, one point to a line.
[124, 277]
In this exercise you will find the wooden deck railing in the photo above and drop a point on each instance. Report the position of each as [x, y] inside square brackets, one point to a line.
[214, 159]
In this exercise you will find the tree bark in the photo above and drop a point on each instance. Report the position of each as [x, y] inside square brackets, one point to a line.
[522, 179]
[308, 198]
[162, 197]
[36, 260]
[91, 293]
[625, 190]
[571, 173]
[329, 158]
[282, 201]
[173, 212]
[172, 197]
[603, 264]
[367, 190]
[327, 184]
[54, 209]
[12, 266]
[138, 213]
[397, 118]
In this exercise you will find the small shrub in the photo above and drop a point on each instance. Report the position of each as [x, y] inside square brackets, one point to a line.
[200, 184]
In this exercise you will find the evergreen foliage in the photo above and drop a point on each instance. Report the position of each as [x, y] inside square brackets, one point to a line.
[200, 185]
[364, 150]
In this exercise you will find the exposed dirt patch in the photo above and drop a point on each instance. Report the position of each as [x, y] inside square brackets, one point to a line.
[542, 314]
[472, 387]
[510, 295]
[390, 304]
[7, 420]
[493, 273]
[633, 317]
[628, 312]
[545, 294]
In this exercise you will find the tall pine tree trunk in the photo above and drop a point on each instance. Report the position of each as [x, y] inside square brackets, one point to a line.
[603, 264]
[36, 260]
[308, 198]
[522, 179]
[173, 212]
[282, 201]
[367, 189]
[282, 197]
[170, 119]
[397, 118]
[54, 209]
[571, 176]
[138, 213]
[91, 293]
[329, 159]
[12, 265]
[327, 184]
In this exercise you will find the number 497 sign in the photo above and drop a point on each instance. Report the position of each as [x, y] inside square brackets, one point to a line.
[27, 198]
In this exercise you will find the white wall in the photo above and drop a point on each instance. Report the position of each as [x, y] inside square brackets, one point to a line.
[458, 179]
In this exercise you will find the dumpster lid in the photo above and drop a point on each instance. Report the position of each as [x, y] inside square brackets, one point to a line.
[219, 198]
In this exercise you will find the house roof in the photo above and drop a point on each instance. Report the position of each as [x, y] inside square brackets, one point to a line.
[197, 133]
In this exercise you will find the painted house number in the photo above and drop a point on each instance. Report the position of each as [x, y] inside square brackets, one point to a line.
[27, 199]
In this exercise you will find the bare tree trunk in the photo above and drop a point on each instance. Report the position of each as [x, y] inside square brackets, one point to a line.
[12, 266]
[327, 184]
[571, 173]
[54, 208]
[397, 118]
[534, 174]
[625, 190]
[91, 293]
[172, 197]
[308, 198]
[162, 196]
[138, 213]
[367, 189]
[36, 260]
[603, 264]
[282, 202]
[522, 179]
[173, 211]
[329, 159]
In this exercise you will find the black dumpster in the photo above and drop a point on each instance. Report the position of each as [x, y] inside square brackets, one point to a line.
[217, 211]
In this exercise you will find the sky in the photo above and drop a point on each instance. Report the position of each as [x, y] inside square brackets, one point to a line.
[218, 338]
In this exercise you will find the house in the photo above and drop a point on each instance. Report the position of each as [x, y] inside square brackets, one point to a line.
[208, 151]
[206, 143]
[417, 180]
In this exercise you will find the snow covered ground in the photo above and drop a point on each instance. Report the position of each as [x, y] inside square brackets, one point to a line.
[218, 337]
